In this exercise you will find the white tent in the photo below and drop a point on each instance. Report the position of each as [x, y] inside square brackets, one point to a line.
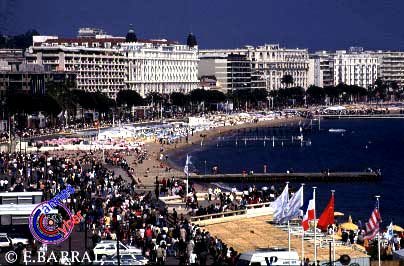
[335, 108]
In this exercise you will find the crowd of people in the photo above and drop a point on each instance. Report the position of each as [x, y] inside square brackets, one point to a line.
[35, 132]
[111, 205]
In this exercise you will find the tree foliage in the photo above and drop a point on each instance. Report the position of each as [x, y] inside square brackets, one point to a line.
[179, 99]
[287, 80]
[156, 98]
[28, 104]
[207, 96]
[315, 94]
[21, 41]
[129, 98]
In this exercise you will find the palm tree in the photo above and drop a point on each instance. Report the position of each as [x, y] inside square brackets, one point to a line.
[287, 80]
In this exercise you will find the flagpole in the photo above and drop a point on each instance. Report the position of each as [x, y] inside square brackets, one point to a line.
[315, 225]
[186, 195]
[333, 234]
[303, 228]
[287, 184]
[378, 233]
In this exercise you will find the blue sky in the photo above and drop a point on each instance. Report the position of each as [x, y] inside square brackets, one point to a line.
[313, 24]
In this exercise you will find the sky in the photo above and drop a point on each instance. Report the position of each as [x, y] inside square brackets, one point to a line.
[312, 24]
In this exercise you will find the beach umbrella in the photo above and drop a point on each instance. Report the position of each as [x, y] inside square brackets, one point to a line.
[397, 228]
[349, 225]
[338, 214]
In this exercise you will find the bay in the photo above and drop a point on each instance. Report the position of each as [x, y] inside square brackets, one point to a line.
[375, 143]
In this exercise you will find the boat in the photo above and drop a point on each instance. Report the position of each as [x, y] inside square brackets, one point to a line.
[336, 130]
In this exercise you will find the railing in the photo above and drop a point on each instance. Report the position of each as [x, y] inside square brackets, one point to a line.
[259, 205]
[217, 215]
[243, 212]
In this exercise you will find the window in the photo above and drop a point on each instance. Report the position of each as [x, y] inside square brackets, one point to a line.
[5, 220]
[18, 220]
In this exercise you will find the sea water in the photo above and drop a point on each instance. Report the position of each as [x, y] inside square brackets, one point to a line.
[375, 144]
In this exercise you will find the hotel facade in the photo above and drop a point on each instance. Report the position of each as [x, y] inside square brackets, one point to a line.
[267, 65]
[109, 64]
[351, 67]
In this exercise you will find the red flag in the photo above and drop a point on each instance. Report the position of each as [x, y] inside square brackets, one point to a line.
[327, 217]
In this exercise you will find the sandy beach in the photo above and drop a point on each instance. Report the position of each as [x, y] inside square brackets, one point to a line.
[153, 167]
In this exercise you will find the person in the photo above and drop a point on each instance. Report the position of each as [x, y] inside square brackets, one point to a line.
[210, 192]
[161, 255]
[175, 216]
[192, 259]
[157, 190]
[190, 249]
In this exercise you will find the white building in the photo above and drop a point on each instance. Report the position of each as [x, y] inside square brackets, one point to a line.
[355, 68]
[275, 62]
[321, 69]
[110, 64]
[161, 66]
[269, 63]
[391, 68]
[99, 64]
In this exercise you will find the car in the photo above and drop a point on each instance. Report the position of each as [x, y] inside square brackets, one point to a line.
[7, 242]
[109, 248]
[115, 262]
[139, 258]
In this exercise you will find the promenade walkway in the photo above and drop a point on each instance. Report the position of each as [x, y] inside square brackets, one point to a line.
[250, 234]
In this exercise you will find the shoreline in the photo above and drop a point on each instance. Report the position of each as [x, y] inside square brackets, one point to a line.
[219, 131]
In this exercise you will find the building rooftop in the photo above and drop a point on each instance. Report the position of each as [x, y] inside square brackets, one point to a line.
[112, 40]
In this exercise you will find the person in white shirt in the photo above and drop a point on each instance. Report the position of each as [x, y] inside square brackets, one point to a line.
[210, 194]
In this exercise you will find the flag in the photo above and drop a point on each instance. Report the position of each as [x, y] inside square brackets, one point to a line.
[187, 164]
[372, 227]
[327, 217]
[293, 206]
[309, 208]
[390, 233]
[280, 204]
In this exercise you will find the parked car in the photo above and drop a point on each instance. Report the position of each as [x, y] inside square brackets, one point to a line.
[109, 248]
[139, 258]
[115, 262]
[7, 242]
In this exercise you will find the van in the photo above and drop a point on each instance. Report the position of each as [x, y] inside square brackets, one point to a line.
[269, 257]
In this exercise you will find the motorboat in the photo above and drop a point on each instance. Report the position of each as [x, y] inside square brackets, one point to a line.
[337, 130]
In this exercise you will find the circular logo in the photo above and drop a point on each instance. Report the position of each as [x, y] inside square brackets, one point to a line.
[51, 225]
[11, 257]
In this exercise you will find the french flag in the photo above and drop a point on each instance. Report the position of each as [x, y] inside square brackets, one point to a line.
[308, 208]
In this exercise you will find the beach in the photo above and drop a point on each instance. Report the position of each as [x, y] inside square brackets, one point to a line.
[149, 169]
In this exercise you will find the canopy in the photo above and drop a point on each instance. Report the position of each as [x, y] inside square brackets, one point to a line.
[349, 225]
[335, 108]
[397, 228]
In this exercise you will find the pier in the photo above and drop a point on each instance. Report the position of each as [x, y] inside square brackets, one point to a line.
[297, 177]
[361, 116]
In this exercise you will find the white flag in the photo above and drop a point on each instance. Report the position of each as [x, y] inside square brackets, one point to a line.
[390, 233]
[280, 204]
[293, 208]
[187, 164]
